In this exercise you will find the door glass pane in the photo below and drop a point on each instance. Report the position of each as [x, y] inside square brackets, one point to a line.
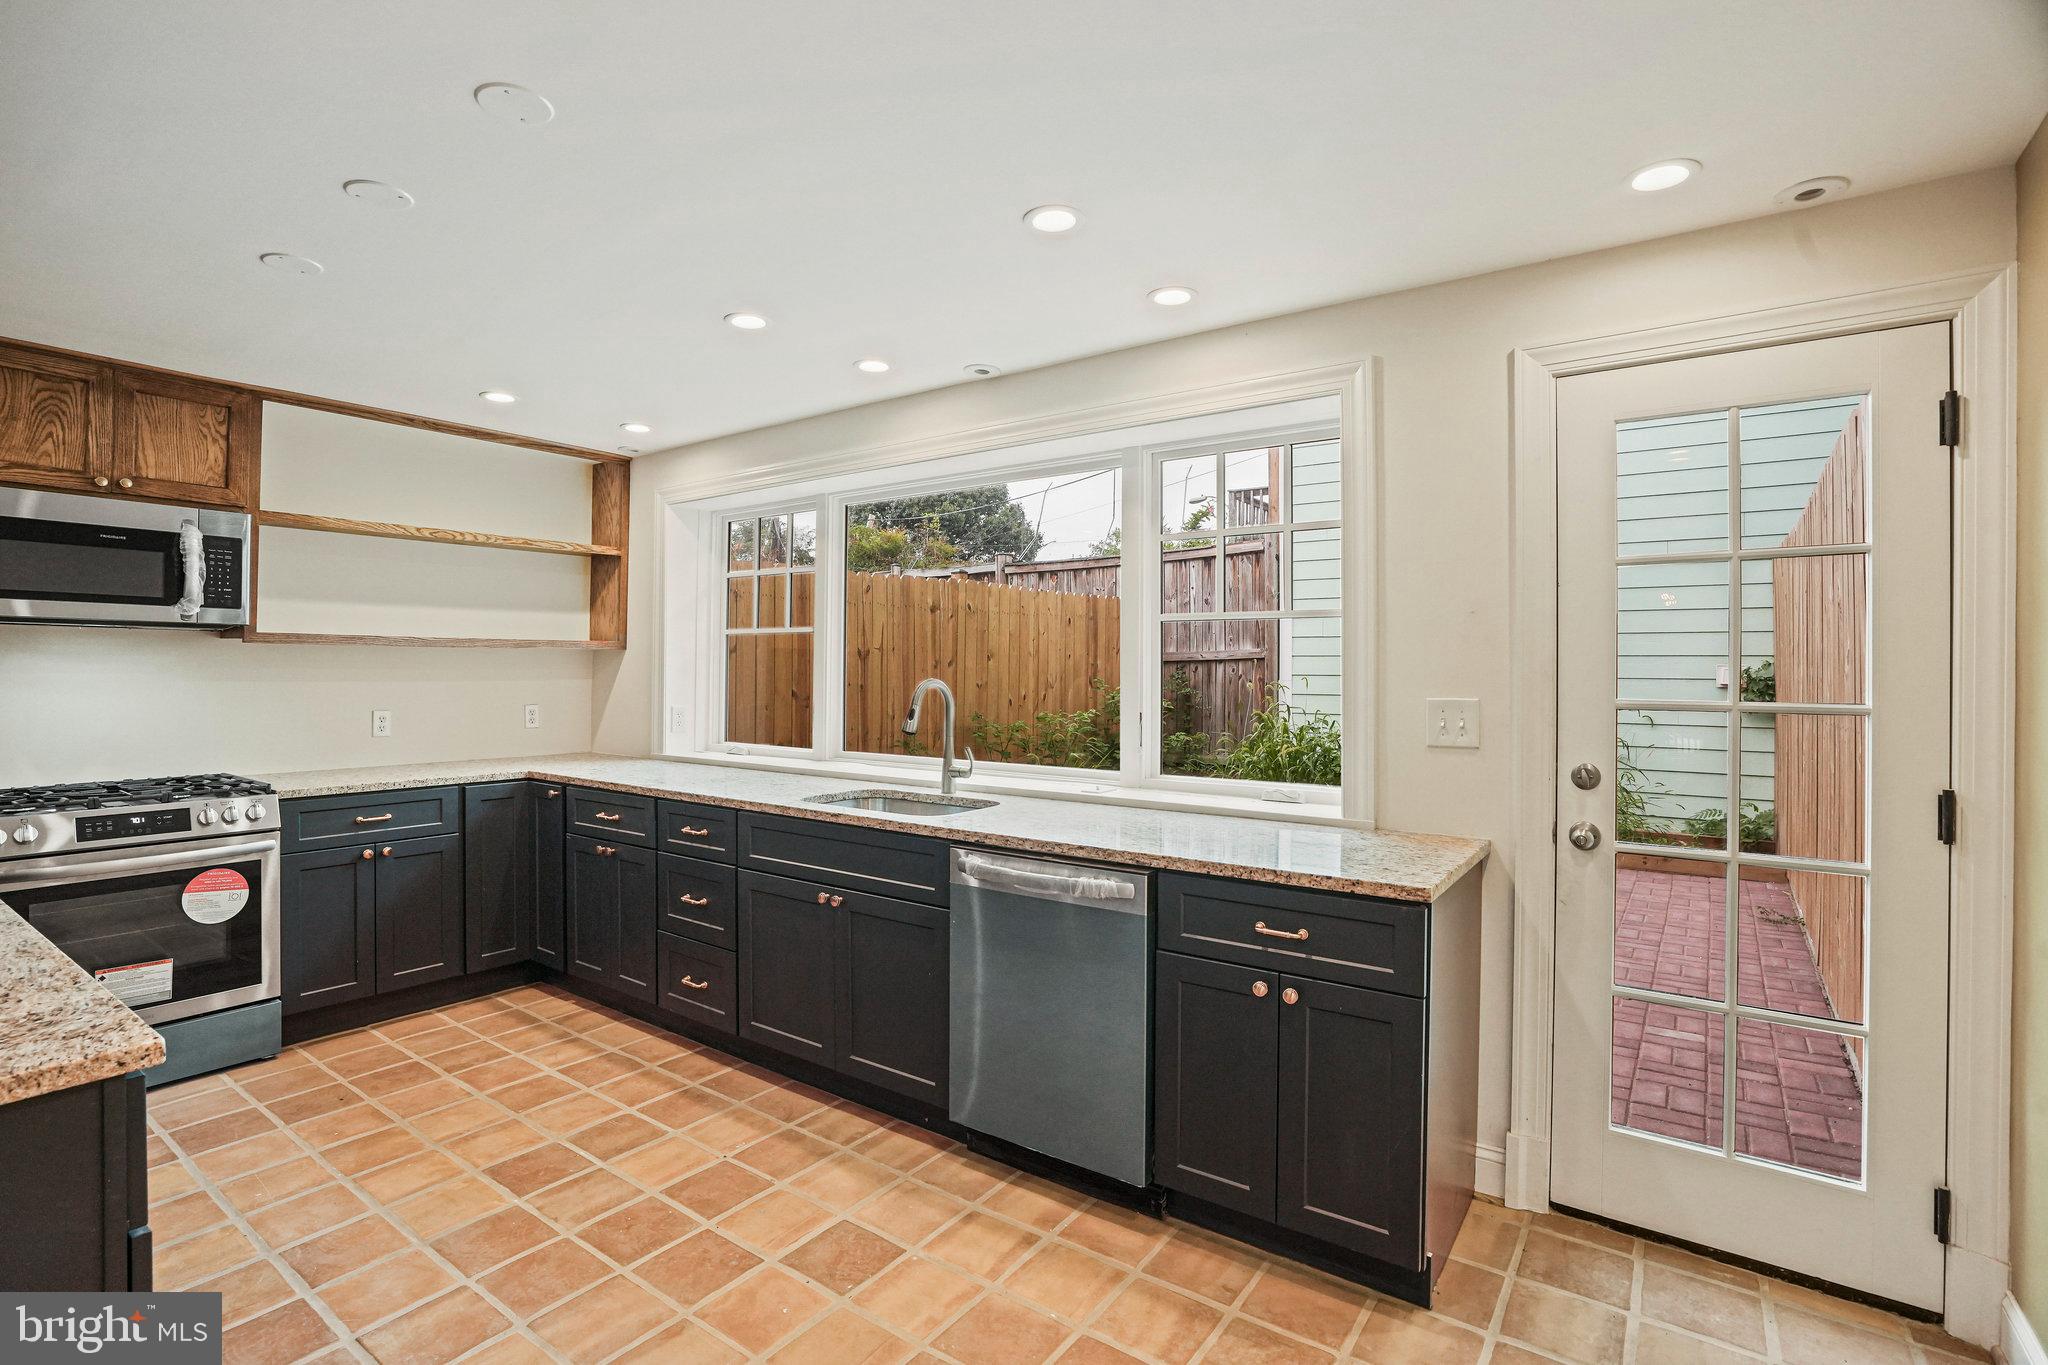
[1799, 943]
[1671, 484]
[1803, 473]
[1251, 573]
[1187, 494]
[1806, 629]
[1799, 1098]
[1251, 484]
[1671, 777]
[1668, 1068]
[1670, 925]
[1803, 785]
[1671, 632]
[1314, 482]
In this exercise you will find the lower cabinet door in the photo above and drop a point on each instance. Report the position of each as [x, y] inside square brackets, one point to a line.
[419, 911]
[610, 911]
[497, 856]
[785, 953]
[697, 983]
[1215, 1083]
[548, 829]
[328, 925]
[1351, 1117]
[891, 996]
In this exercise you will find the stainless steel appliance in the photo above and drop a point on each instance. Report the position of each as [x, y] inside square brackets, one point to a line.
[167, 891]
[66, 559]
[1052, 1009]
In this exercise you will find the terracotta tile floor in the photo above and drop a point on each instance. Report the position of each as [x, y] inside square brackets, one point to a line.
[1797, 1097]
[528, 1178]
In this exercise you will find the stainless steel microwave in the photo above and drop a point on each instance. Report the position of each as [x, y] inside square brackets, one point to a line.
[67, 559]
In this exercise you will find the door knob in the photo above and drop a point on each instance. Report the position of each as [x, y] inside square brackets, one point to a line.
[1586, 776]
[1584, 836]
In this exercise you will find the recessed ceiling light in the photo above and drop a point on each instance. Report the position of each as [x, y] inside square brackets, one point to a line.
[636, 428]
[1806, 191]
[747, 322]
[1053, 218]
[513, 103]
[980, 370]
[872, 366]
[290, 264]
[1172, 295]
[498, 396]
[1662, 175]
[378, 193]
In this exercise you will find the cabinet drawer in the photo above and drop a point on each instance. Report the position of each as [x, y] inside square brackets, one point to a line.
[376, 817]
[613, 817]
[699, 831]
[850, 857]
[697, 982]
[697, 900]
[1350, 939]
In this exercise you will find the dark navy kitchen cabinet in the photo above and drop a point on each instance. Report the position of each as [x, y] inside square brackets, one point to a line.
[890, 994]
[550, 804]
[1215, 1081]
[610, 911]
[498, 855]
[419, 911]
[328, 905]
[786, 945]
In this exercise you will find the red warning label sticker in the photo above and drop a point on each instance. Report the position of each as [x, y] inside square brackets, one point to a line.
[214, 895]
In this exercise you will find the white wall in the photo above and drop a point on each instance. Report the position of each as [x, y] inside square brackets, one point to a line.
[1444, 533]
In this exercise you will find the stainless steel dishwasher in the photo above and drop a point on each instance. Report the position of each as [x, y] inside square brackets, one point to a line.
[1051, 1011]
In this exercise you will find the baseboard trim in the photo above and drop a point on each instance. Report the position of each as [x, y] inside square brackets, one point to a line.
[1490, 1171]
[1527, 1172]
[2018, 1343]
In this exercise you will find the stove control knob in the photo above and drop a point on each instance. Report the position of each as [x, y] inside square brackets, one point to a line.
[255, 811]
[230, 814]
[205, 816]
[26, 834]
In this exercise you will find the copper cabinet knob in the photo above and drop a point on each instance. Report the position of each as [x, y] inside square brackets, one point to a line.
[387, 850]
[1290, 996]
[824, 896]
[1259, 989]
[838, 901]
[369, 853]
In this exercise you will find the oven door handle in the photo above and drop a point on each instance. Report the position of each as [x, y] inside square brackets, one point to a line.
[121, 867]
[192, 550]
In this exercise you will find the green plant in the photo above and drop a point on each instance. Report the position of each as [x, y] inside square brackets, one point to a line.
[1758, 827]
[1088, 738]
[1632, 788]
[1284, 743]
[1760, 681]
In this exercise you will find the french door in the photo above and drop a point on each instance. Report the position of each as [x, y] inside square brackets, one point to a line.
[1754, 578]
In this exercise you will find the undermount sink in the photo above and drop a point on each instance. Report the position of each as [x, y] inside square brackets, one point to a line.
[892, 801]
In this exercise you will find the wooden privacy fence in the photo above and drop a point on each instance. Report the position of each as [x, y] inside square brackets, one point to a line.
[1819, 607]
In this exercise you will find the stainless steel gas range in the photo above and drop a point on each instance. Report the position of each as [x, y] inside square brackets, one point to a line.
[167, 891]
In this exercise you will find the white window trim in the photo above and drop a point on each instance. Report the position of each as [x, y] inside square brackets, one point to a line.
[689, 696]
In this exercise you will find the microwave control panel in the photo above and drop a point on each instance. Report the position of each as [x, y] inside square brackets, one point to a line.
[132, 824]
[223, 572]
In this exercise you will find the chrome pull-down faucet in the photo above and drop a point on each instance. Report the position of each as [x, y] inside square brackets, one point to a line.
[947, 772]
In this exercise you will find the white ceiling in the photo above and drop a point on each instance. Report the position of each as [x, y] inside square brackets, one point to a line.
[858, 172]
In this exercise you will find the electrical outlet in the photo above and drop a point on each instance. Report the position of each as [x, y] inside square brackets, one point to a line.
[533, 715]
[677, 718]
[1453, 722]
[380, 724]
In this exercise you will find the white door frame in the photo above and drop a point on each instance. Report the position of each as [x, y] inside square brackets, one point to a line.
[1981, 307]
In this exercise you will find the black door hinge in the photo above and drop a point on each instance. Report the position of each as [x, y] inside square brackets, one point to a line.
[1941, 1213]
[1951, 419]
[1945, 817]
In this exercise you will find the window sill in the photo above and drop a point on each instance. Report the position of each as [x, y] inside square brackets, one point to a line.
[1104, 793]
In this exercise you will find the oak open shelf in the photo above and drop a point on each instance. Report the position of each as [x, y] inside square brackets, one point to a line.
[286, 637]
[392, 530]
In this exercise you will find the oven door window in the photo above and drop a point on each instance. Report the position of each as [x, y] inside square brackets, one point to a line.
[172, 935]
[64, 561]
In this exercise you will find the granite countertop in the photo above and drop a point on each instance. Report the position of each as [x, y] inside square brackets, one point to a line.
[1412, 867]
[58, 1026]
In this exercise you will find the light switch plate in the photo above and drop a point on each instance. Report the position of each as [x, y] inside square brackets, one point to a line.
[533, 715]
[380, 724]
[1453, 722]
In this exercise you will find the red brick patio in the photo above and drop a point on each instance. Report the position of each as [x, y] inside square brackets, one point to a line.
[1798, 1098]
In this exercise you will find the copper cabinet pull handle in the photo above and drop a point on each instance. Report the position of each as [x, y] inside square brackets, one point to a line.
[691, 983]
[606, 815]
[689, 899]
[387, 850]
[1290, 996]
[693, 832]
[605, 850]
[1259, 988]
[824, 896]
[1260, 928]
[373, 819]
[369, 853]
[553, 792]
[838, 901]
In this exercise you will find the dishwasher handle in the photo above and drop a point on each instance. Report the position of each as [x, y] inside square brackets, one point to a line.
[1068, 883]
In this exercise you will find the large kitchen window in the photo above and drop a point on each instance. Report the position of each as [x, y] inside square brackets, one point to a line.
[1162, 609]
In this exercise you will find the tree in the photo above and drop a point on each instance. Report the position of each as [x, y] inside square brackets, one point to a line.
[977, 523]
[1110, 546]
[879, 549]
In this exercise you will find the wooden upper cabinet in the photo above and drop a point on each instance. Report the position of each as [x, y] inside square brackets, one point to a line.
[56, 419]
[184, 440]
